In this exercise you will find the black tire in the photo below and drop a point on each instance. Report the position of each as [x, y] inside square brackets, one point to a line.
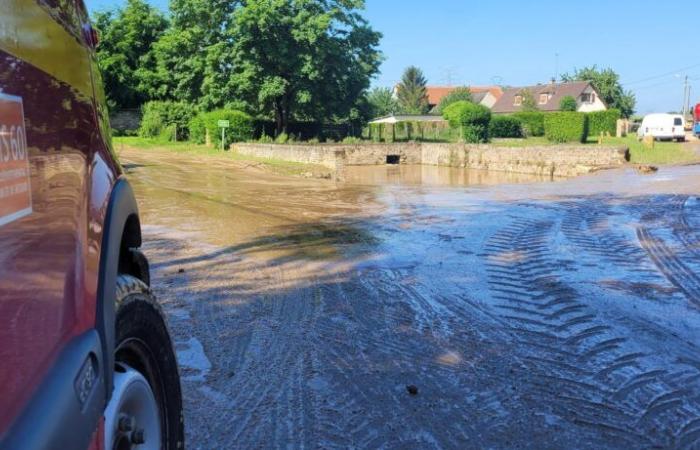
[143, 343]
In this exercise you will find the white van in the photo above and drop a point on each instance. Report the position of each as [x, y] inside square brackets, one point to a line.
[663, 126]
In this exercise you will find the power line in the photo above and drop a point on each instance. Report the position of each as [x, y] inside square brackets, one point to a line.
[655, 77]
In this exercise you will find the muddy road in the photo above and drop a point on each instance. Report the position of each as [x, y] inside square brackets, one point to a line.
[528, 315]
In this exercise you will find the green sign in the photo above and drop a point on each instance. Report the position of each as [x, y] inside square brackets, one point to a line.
[224, 124]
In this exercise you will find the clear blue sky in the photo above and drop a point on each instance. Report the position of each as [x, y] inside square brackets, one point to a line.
[653, 45]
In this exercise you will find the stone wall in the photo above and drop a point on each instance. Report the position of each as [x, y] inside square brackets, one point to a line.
[557, 161]
[128, 119]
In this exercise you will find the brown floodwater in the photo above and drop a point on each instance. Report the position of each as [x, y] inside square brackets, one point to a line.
[432, 176]
[525, 313]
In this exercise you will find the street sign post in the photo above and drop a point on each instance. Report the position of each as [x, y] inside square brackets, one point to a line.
[223, 124]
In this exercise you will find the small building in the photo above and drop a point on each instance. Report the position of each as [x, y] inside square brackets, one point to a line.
[408, 118]
[482, 95]
[548, 97]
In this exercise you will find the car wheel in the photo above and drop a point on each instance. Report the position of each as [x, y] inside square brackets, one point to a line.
[145, 410]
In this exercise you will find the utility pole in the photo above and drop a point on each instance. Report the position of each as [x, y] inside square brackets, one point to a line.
[686, 98]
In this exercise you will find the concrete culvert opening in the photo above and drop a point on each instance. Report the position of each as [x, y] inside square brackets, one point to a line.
[393, 159]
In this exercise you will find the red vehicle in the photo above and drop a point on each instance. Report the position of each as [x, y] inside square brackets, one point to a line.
[696, 117]
[85, 356]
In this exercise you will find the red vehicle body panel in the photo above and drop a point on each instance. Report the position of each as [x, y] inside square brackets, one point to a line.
[697, 112]
[49, 254]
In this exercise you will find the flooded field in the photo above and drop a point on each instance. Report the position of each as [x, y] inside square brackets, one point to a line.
[412, 307]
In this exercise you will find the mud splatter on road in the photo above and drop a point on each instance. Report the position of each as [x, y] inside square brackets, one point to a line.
[545, 315]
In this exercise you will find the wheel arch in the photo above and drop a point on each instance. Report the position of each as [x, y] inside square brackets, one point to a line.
[119, 254]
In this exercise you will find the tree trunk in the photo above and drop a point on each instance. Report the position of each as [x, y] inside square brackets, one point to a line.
[279, 118]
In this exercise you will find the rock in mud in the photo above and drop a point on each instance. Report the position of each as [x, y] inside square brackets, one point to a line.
[412, 389]
[647, 169]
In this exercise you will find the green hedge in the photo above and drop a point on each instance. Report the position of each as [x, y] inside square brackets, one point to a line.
[533, 122]
[505, 127]
[603, 122]
[472, 120]
[566, 127]
[241, 127]
[169, 120]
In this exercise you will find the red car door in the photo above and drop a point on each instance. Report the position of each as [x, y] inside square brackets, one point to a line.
[48, 267]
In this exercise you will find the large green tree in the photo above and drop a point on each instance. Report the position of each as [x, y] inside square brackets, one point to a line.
[191, 59]
[382, 102]
[607, 83]
[310, 59]
[412, 93]
[127, 37]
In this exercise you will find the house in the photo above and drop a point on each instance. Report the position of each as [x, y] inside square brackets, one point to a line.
[482, 95]
[548, 97]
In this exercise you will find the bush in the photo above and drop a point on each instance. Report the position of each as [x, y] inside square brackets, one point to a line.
[282, 138]
[351, 140]
[265, 139]
[568, 103]
[603, 122]
[166, 119]
[240, 127]
[473, 121]
[566, 127]
[460, 94]
[505, 127]
[532, 122]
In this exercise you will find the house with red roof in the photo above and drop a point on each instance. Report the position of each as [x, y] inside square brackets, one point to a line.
[482, 95]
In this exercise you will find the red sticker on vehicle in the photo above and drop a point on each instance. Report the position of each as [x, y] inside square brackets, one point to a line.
[15, 188]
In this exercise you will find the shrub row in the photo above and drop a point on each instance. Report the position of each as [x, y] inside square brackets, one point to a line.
[471, 119]
[505, 127]
[532, 122]
[168, 120]
[603, 122]
[240, 127]
[566, 127]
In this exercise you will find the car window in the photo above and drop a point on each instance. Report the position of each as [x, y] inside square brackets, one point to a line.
[677, 121]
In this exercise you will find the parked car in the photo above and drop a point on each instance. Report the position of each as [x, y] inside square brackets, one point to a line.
[696, 116]
[663, 127]
[86, 357]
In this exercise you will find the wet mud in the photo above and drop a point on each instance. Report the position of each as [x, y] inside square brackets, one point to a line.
[408, 308]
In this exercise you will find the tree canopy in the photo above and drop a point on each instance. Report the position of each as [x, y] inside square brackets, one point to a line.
[382, 102]
[302, 59]
[607, 83]
[412, 93]
[309, 58]
[125, 51]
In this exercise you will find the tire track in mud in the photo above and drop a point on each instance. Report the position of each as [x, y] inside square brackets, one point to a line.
[591, 374]
[672, 260]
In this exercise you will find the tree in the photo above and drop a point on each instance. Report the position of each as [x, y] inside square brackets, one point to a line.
[191, 62]
[127, 37]
[607, 83]
[382, 102]
[460, 94]
[568, 103]
[412, 93]
[303, 59]
[529, 102]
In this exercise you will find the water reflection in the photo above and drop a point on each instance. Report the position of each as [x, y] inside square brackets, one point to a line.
[433, 176]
